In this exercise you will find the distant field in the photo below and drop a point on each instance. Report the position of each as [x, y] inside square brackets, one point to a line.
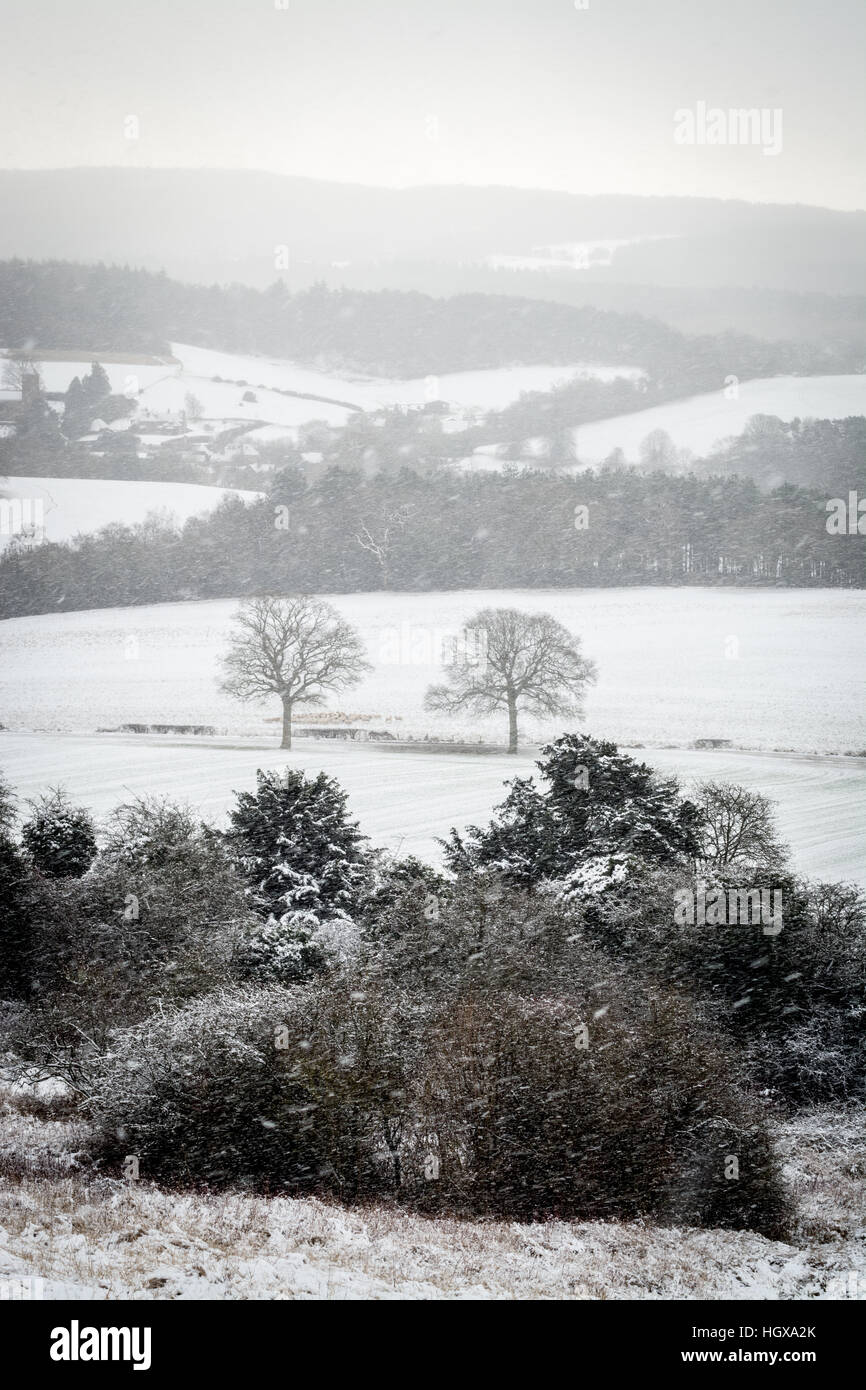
[701, 422]
[487, 390]
[161, 385]
[79, 506]
[777, 669]
[792, 679]
[698, 423]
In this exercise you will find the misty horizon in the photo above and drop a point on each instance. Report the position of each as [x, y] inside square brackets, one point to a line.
[558, 96]
[444, 185]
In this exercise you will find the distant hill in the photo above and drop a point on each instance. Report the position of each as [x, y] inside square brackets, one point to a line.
[55, 306]
[223, 225]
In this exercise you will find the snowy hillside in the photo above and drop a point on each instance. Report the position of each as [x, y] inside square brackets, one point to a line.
[702, 422]
[161, 388]
[406, 798]
[79, 506]
[699, 424]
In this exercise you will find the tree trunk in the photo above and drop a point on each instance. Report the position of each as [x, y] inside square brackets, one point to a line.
[512, 724]
[287, 724]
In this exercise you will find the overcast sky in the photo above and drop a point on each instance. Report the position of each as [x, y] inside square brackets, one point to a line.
[537, 93]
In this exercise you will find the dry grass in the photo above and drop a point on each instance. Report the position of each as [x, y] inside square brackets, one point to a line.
[99, 1238]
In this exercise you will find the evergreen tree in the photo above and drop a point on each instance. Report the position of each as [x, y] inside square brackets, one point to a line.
[60, 838]
[76, 410]
[601, 816]
[305, 866]
[96, 385]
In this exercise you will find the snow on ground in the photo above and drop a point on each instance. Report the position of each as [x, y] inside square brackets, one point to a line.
[78, 506]
[161, 389]
[406, 798]
[664, 681]
[225, 402]
[700, 422]
[697, 423]
[767, 669]
[87, 1239]
[491, 389]
[125, 377]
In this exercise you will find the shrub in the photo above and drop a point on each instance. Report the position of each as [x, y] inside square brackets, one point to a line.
[643, 1121]
[271, 1088]
[7, 804]
[769, 993]
[157, 920]
[152, 833]
[483, 1103]
[14, 888]
[60, 838]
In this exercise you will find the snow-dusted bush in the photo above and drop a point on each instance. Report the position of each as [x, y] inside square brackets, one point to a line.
[769, 993]
[59, 838]
[152, 833]
[819, 1059]
[531, 1107]
[482, 1099]
[155, 921]
[14, 887]
[272, 1088]
[400, 885]
[7, 805]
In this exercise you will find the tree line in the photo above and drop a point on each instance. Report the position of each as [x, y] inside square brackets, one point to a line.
[349, 533]
[99, 308]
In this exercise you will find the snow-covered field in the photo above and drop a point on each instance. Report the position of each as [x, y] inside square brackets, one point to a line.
[767, 669]
[485, 389]
[405, 798]
[69, 507]
[161, 389]
[125, 377]
[664, 681]
[700, 422]
[696, 423]
[86, 1239]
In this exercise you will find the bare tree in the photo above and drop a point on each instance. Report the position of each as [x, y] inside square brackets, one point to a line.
[738, 827]
[380, 543]
[298, 648]
[515, 661]
[17, 369]
[658, 451]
